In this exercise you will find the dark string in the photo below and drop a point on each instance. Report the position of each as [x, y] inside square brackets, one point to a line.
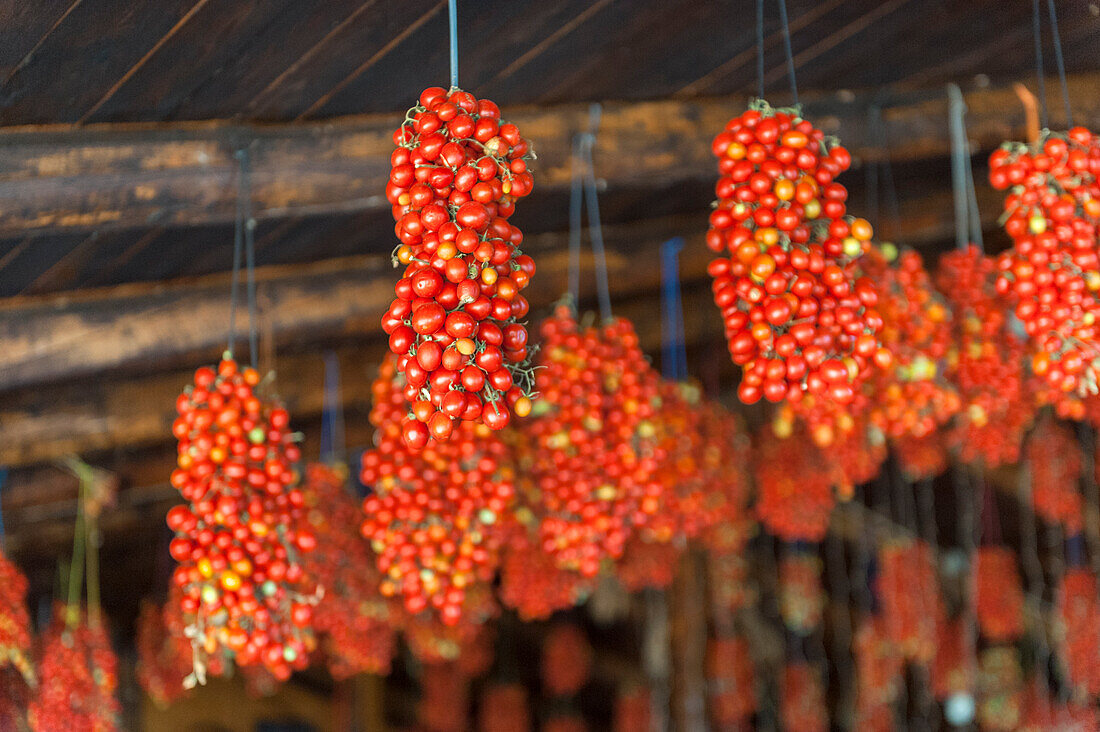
[871, 171]
[673, 352]
[595, 230]
[332, 415]
[1060, 61]
[250, 255]
[1037, 29]
[452, 20]
[760, 48]
[238, 248]
[787, 49]
[576, 215]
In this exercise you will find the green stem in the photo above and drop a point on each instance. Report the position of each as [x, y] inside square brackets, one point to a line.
[76, 568]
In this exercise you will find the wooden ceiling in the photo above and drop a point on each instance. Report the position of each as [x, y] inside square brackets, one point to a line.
[115, 244]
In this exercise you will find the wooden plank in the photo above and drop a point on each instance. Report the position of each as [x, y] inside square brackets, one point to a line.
[47, 339]
[116, 176]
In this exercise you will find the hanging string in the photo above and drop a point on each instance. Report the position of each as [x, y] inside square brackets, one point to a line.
[1039, 72]
[452, 20]
[760, 49]
[576, 215]
[973, 214]
[3, 480]
[238, 248]
[249, 254]
[1059, 61]
[595, 230]
[91, 528]
[787, 49]
[77, 563]
[871, 171]
[673, 351]
[956, 112]
[333, 449]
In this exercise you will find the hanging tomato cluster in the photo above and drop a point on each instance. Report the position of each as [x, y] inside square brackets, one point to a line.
[879, 673]
[1000, 689]
[632, 710]
[164, 658]
[952, 668]
[444, 698]
[730, 678]
[77, 677]
[801, 596]
[351, 619]
[802, 700]
[907, 588]
[15, 623]
[1000, 596]
[1054, 460]
[987, 362]
[591, 451]
[454, 325]
[566, 660]
[1078, 613]
[1052, 271]
[794, 484]
[438, 513]
[240, 536]
[504, 708]
[799, 320]
[533, 584]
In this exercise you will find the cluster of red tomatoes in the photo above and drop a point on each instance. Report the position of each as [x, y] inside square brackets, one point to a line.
[907, 589]
[1052, 272]
[730, 679]
[1054, 459]
[566, 660]
[533, 584]
[77, 677]
[444, 698]
[1079, 615]
[952, 669]
[431, 640]
[731, 588]
[647, 565]
[438, 513]
[1001, 686]
[504, 708]
[352, 620]
[456, 173]
[801, 596]
[878, 672]
[240, 535]
[799, 319]
[986, 364]
[632, 710]
[999, 602]
[802, 699]
[591, 452]
[794, 485]
[15, 623]
[163, 657]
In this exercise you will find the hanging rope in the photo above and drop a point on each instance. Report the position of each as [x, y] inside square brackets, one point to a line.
[452, 19]
[249, 254]
[787, 50]
[595, 230]
[760, 49]
[956, 113]
[576, 216]
[1037, 30]
[333, 449]
[870, 172]
[673, 351]
[1059, 61]
[238, 249]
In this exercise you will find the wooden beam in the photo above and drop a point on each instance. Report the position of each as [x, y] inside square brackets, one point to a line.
[71, 179]
[51, 338]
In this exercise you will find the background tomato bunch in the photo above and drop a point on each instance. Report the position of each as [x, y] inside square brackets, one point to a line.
[240, 535]
[730, 679]
[1052, 271]
[798, 318]
[802, 704]
[456, 173]
[78, 676]
[1054, 461]
[907, 589]
[15, 622]
[1078, 614]
[879, 669]
[801, 595]
[353, 621]
[986, 363]
[438, 514]
[164, 657]
[1000, 596]
[794, 485]
[532, 583]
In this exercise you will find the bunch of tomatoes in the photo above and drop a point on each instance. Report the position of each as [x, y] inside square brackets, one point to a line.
[802, 698]
[1000, 689]
[241, 533]
[1079, 616]
[77, 677]
[794, 485]
[532, 583]
[986, 364]
[438, 513]
[1052, 271]
[15, 623]
[999, 604]
[352, 619]
[454, 327]
[163, 657]
[801, 595]
[952, 667]
[730, 679]
[907, 590]
[1054, 459]
[879, 669]
[591, 451]
[799, 319]
[566, 661]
